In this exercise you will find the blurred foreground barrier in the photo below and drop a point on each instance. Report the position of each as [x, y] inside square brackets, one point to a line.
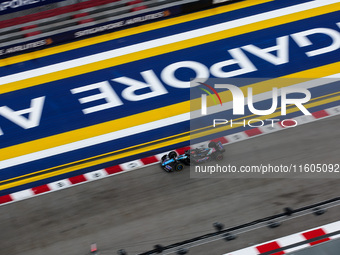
[231, 233]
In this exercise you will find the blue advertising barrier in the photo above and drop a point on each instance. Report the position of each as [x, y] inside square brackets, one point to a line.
[81, 33]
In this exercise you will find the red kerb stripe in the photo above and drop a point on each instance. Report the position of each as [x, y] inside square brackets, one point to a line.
[41, 189]
[253, 132]
[222, 139]
[287, 123]
[270, 247]
[77, 179]
[182, 150]
[5, 199]
[320, 114]
[113, 169]
[316, 233]
[149, 160]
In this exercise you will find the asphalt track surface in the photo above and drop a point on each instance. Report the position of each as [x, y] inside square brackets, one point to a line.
[145, 207]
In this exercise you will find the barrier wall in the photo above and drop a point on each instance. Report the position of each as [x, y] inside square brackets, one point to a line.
[101, 19]
[79, 32]
[9, 6]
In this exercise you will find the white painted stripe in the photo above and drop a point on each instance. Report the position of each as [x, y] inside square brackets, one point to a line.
[331, 228]
[131, 165]
[95, 175]
[61, 184]
[200, 145]
[334, 110]
[304, 119]
[240, 136]
[292, 239]
[146, 127]
[164, 41]
[245, 251]
[271, 128]
[22, 194]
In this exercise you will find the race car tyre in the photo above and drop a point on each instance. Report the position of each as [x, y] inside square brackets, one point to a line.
[219, 157]
[172, 154]
[187, 161]
[163, 158]
[179, 167]
[212, 145]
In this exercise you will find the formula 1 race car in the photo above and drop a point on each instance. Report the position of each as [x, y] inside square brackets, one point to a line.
[172, 162]
[201, 155]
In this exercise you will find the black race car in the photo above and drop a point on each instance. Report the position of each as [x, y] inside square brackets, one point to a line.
[201, 155]
[172, 162]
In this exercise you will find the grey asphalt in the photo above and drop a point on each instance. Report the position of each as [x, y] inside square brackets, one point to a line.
[139, 209]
